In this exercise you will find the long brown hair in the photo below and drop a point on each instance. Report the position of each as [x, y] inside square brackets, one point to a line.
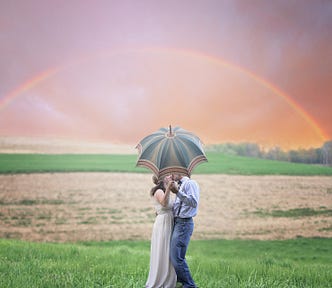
[159, 185]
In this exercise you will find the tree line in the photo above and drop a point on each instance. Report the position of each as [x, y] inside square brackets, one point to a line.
[321, 155]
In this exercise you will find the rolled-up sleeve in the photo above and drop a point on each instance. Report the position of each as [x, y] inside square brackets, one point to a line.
[191, 197]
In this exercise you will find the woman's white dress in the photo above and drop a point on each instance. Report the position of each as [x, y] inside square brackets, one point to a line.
[162, 273]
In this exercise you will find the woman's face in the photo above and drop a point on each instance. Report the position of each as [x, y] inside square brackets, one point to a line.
[167, 179]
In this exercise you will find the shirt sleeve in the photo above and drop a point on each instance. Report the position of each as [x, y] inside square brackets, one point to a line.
[189, 194]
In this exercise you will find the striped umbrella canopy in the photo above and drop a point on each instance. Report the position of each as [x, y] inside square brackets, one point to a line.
[170, 151]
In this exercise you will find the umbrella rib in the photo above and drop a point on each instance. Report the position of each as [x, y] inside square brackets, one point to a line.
[148, 164]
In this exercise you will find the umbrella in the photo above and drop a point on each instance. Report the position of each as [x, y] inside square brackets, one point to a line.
[170, 151]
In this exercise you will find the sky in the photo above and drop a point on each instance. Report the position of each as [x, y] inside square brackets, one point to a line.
[227, 70]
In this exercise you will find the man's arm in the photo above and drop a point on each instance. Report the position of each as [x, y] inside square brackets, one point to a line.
[189, 193]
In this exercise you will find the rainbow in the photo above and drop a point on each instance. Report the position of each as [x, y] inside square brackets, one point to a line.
[277, 91]
[48, 73]
[44, 75]
[27, 85]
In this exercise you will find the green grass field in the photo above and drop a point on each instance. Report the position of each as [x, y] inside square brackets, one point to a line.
[218, 164]
[214, 263]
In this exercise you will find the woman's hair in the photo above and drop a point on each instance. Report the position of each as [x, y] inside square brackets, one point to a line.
[155, 179]
[159, 185]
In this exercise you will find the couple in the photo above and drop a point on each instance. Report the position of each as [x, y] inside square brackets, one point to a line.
[172, 230]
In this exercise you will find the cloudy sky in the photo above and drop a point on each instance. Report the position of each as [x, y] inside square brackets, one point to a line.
[227, 70]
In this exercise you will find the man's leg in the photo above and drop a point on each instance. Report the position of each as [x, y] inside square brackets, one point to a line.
[179, 244]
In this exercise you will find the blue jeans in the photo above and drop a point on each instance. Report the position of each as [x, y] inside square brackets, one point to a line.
[183, 229]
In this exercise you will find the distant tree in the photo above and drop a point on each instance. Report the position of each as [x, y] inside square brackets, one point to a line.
[322, 155]
[313, 156]
[294, 156]
[327, 153]
[248, 149]
[276, 153]
[253, 150]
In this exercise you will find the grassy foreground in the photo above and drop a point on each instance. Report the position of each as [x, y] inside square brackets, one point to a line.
[218, 164]
[121, 264]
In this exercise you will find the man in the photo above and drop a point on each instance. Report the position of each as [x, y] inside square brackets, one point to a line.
[185, 208]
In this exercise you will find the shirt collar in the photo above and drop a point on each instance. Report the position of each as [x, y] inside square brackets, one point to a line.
[184, 179]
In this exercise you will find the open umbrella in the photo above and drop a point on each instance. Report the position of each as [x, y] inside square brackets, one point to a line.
[170, 151]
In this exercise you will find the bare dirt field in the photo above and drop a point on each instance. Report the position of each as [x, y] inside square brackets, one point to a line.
[111, 206]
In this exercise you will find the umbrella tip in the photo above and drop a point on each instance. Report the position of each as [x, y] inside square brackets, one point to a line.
[170, 133]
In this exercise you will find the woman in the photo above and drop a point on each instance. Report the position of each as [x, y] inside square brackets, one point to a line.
[162, 273]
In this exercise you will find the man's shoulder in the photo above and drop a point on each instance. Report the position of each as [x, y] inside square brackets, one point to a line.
[190, 182]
